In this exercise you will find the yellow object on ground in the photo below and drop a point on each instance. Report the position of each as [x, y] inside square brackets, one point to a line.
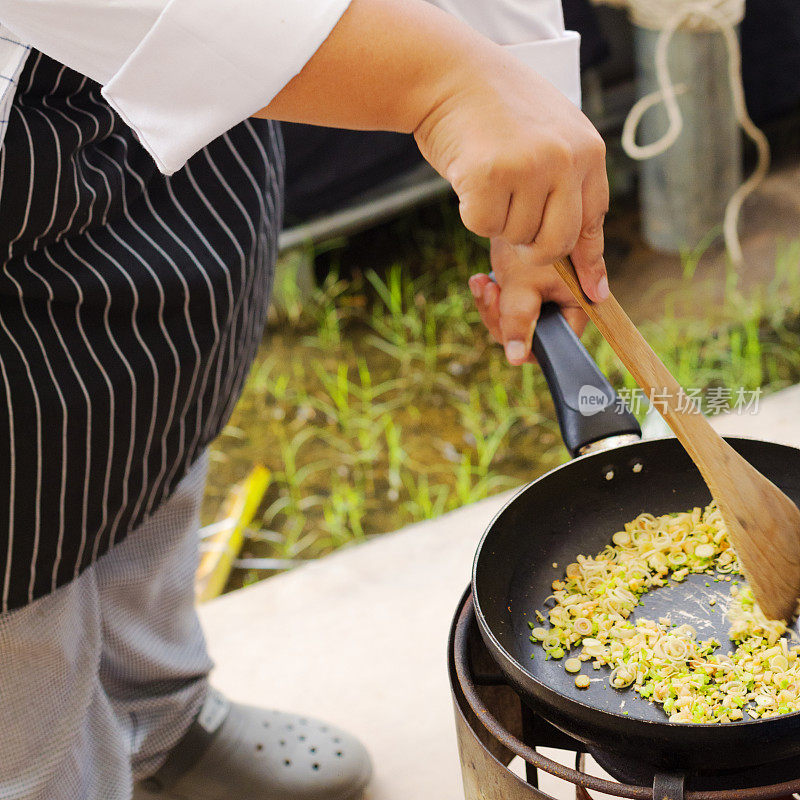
[219, 550]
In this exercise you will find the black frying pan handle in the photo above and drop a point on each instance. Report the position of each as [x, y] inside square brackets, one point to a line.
[587, 406]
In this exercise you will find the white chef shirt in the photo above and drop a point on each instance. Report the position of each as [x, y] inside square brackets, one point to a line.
[182, 72]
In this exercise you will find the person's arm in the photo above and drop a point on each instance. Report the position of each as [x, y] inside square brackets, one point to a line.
[533, 31]
[526, 164]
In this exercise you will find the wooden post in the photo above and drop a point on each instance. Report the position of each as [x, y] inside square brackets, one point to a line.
[684, 191]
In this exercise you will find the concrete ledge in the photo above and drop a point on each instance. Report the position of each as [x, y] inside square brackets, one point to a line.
[359, 638]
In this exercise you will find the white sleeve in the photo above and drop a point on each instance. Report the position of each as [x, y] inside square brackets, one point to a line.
[531, 29]
[179, 72]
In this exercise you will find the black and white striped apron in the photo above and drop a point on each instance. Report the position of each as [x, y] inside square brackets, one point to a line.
[131, 306]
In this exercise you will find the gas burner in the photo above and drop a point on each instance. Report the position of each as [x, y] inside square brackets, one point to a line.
[494, 725]
[641, 774]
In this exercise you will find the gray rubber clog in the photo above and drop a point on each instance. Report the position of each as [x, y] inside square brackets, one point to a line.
[237, 752]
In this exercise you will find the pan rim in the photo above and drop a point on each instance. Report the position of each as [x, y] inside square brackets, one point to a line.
[514, 664]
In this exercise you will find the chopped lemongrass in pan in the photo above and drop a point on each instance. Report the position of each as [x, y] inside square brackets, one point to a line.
[663, 662]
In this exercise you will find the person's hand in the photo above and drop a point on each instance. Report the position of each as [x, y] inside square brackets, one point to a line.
[510, 307]
[529, 169]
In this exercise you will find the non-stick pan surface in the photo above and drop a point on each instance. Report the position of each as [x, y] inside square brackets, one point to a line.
[573, 510]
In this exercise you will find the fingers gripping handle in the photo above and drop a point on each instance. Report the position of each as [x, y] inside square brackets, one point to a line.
[587, 406]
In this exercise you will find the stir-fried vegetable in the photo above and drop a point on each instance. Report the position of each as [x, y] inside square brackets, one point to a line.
[664, 662]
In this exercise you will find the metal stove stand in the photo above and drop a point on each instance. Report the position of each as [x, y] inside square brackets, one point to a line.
[493, 725]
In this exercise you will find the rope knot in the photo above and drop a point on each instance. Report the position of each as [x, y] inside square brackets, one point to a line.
[693, 15]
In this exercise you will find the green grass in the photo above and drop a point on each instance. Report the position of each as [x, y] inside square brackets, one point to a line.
[382, 401]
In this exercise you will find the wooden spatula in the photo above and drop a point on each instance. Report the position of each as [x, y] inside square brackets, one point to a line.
[763, 523]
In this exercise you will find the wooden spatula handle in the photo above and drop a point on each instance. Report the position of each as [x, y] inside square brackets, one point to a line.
[678, 409]
[763, 523]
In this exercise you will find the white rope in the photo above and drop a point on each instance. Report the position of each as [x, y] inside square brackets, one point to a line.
[667, 16]
[693, 14]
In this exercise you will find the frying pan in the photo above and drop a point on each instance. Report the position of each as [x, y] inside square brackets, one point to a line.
[576, 508]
